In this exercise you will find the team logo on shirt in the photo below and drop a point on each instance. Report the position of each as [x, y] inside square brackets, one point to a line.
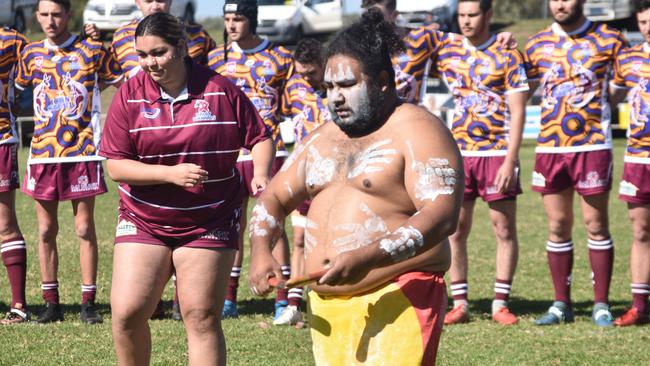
[203, 112]
[636, 66]
[231, 67]
[640, 103]
[302, 92]
[150, 113]
[38, 62]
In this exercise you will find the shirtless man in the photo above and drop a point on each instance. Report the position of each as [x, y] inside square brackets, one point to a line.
[386, 184]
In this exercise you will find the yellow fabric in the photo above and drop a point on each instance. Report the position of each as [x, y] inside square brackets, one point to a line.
[375, 328]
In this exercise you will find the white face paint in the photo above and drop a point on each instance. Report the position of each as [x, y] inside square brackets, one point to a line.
[297, 152]
[319, 170]
[373, 159]
[360, 234]
[262, 223]
[288, 187]
[344, 74]
[310, 239]
[403, 243]
[432, 178]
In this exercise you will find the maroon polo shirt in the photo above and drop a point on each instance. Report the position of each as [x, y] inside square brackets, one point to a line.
[206, 127]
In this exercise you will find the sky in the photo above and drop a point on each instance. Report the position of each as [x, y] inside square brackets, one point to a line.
[212, 8]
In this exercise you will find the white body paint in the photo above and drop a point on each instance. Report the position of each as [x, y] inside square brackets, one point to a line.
[261, 222]
[360, 234]
[288, 187]
[319, 170]
[432, 178]
[405, 245]
[297, 152]
[373, 159]
[310, 239]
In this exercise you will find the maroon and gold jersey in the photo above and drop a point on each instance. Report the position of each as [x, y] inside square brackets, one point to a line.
[480, 78]
[573, 71]
[11, 44]
[199, 44]
[66, 97]
[412, 67]
[261, 73]
[306, 107]
[632, 71]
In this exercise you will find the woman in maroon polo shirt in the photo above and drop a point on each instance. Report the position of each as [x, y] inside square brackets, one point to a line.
[172, 137]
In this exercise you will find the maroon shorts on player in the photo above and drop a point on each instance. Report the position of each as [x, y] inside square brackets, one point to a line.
[588, 172]
[246, 172]
[64, 181]
[8, 167]
[480, 175]
[635, 186]
[224, 236]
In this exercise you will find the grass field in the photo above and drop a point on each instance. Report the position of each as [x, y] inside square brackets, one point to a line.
[478, 343]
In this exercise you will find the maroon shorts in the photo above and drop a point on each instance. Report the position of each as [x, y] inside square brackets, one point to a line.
[480, 175]
[245, 169]
[8, 167]
[588, 172]
[64, 181]
[224, 237]
[632, 188]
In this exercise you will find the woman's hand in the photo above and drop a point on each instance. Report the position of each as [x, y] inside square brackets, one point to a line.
[186, 175]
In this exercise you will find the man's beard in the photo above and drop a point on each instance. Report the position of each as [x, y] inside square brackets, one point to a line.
[367, 115]
[573, 17]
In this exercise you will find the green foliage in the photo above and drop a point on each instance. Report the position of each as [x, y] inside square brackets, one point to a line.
[76, 22]
[518, 9]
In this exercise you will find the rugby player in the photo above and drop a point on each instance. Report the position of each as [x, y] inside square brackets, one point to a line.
[571, 61]
[490, 89]
[66, 73]
[260, 68]
[632, 78]
[386, 183]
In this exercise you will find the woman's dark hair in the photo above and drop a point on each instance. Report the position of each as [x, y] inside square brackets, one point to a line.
[389, 4]
[163, 25]
[372, 41]
[309, 51]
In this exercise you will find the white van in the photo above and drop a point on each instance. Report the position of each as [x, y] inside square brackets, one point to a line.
[109, 15]
[414, 13]
[288, 20]
[603, 10]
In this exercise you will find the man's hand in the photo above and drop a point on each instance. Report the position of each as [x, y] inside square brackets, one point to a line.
[186, 175]
[506, 175]
[258, 184]
[92, 31]
[263, 266]
[506, 40]
[348, 268]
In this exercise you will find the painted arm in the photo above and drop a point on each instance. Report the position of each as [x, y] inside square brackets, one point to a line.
[434, 179]
[136, 173]
[507, 173]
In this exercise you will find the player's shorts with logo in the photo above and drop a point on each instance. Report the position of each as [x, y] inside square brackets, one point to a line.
[9, 167]
[398, 323]
[246, 171]
[635, 186]
[480, 176]
[64, 181]
[588, 172]
[224, 236]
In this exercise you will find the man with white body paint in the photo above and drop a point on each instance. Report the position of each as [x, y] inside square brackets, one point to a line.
[386, 183]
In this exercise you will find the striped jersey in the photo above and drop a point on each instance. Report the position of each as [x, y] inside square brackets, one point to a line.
[480, 78]
[306, 107]
[261, 73]
[412, 67]
[11, 44]
[199, 44]
[66, 96]
[207, 125]
[573, 71]
[632, 71]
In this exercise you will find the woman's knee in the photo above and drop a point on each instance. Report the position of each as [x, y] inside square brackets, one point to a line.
[200, 319]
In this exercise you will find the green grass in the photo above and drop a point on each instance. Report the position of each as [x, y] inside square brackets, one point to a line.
[478, 343]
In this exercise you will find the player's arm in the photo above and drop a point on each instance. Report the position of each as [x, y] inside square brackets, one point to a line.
[617, 88]
[263, 154]
[284, 194]
[507, 173]
[110, 71]
[433, 177]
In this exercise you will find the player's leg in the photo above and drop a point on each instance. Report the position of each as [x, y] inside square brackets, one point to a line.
[503, 214]
[459, 266]
[140, 272]
[639, 266]
[48, 258]
[291, 315]
[14, 257]
[281, 254]
[202, 275]
[84, 210]
[230, 304]
[559, 250]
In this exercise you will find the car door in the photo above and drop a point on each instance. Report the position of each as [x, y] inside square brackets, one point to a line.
[6, 13]
[322, 16]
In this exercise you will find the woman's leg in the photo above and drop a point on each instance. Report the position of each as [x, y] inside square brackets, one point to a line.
[202, 277]
[140, 272]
